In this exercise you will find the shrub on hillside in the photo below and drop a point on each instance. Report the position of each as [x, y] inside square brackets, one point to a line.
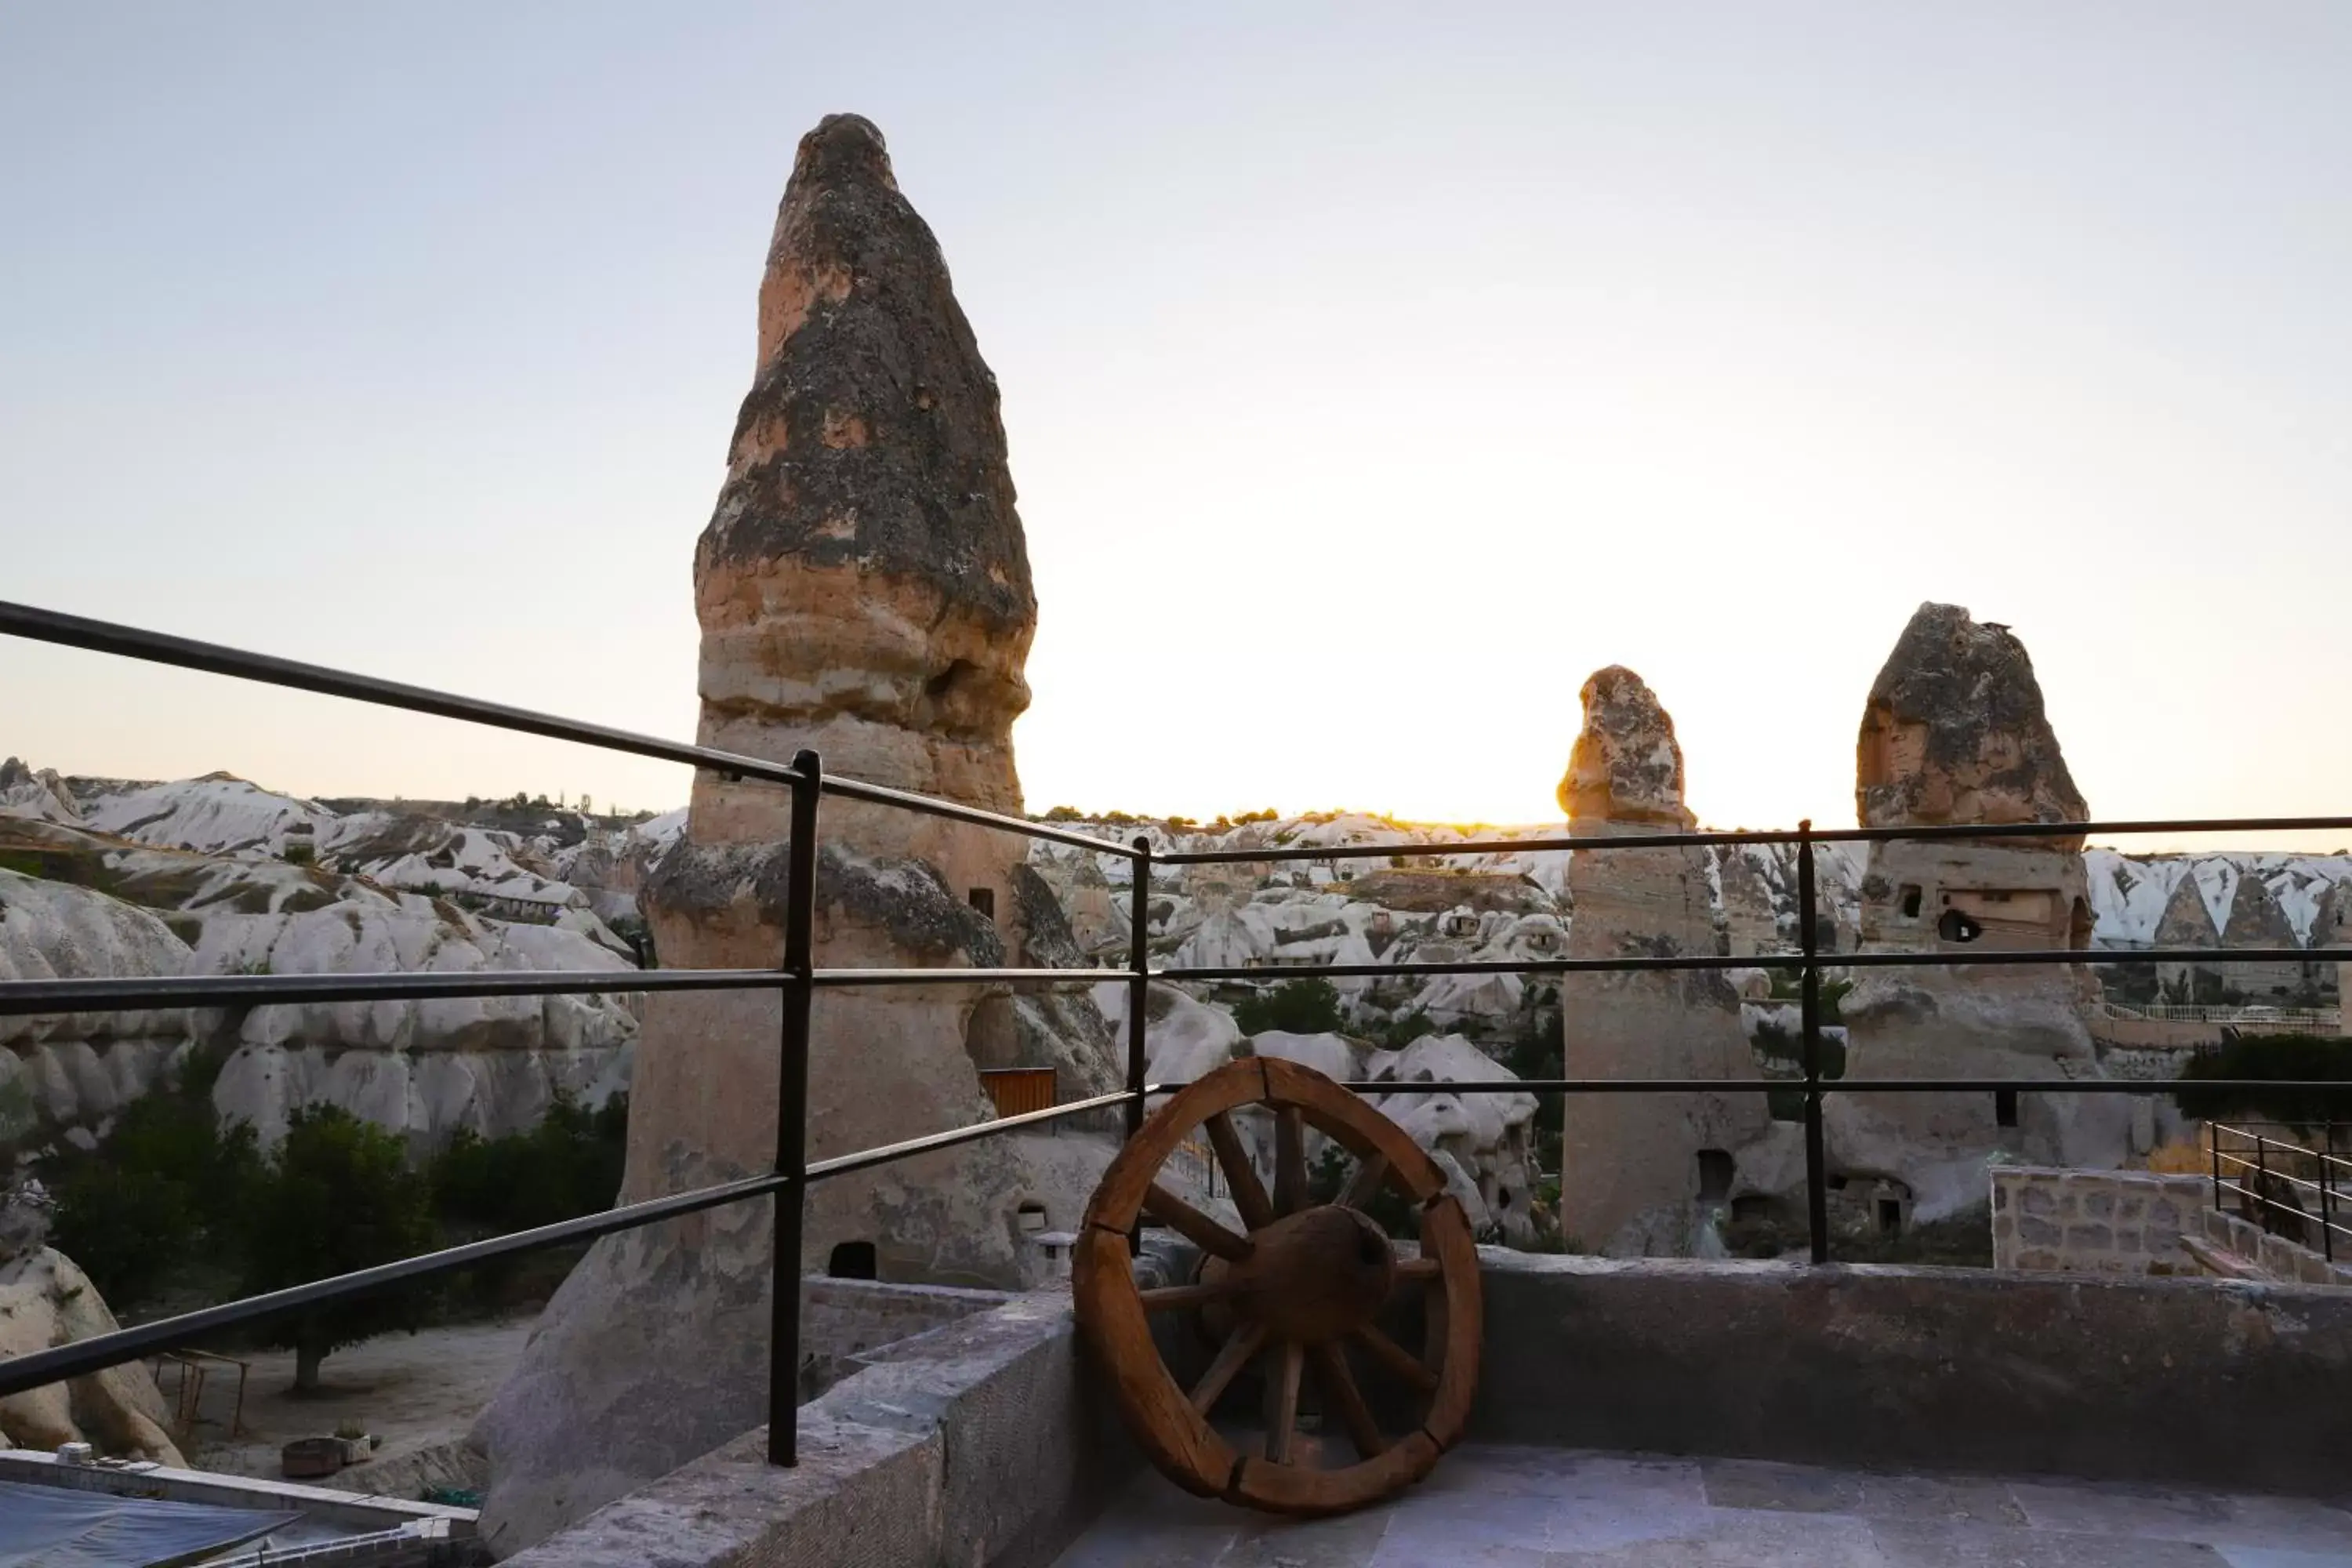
[568, 1164]
[2280, 1057]
[1308, 1006]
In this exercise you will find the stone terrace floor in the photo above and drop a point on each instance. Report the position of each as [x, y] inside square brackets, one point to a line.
[1553, 1508]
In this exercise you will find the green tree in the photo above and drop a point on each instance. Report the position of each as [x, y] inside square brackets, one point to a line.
[568, 1164]
[2284, 1056]
[336, 1196]
[1399, 1033]
[1304, 1006]
[169, 1185]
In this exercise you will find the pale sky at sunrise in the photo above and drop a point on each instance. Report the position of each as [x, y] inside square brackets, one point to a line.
[1372, 374]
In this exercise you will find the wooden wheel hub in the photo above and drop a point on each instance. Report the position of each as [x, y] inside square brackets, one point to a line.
[1319, 1274]
[1298, 1291]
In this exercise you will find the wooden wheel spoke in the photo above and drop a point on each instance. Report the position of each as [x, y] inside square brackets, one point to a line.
[1193, 1225]
[1282, 1401]
[1289, 1160]
[1170, 1298]
[1417, 1270]
[1341, 1394]
[1249, 1194]
[1365, 1185]
[1245, 1343]
[1396, 1358]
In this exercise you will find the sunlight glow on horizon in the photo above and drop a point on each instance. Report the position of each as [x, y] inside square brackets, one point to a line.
[1372, 378]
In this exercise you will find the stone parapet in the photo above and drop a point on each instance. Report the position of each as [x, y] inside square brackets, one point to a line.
[985, 1442]
[1944, 1369]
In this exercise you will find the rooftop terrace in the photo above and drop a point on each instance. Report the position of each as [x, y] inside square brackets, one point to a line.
[1515, 1507]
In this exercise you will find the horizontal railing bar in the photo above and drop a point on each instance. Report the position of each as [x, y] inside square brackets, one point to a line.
[100, 1351]
[1947, 955]
[931, 806]
[1421, 851]
[2322, 1155]
[187, 653]
[18, 998]
[840, 1165]
[1699, 839]
[2081, 1085]
[2246, 1194]
[969, 976]
[1933, 958]
[157, 648]
[127, 992]
[2245, 1165]
[1829, 1086]
[1471, 966]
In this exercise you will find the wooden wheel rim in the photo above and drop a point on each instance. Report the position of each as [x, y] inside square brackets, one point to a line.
[1114, 1318]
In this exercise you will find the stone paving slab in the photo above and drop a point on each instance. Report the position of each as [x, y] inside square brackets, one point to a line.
[1496, 1506]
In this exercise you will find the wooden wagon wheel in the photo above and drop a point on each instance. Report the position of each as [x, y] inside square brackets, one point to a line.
[1300, 1290]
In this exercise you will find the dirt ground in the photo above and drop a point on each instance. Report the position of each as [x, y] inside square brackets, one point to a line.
[414, 1391]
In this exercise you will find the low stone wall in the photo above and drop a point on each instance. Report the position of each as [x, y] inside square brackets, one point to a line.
[1961, 1369]
[645, 1427]
[2275, 1255]
[843, 1319]
[981, 1442]
[2099, 1222]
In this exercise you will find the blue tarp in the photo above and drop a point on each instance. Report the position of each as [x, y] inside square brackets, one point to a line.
[54, 1527]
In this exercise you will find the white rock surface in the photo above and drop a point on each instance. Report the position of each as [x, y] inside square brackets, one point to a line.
[110, 906]
[46, 1301]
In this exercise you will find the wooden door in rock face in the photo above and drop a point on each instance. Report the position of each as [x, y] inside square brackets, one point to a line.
[1298, 1293]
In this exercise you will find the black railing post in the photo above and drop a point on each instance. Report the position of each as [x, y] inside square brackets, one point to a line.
[1139, 985]
[798, 993]
[2261, 1205]
[1817, 1191]
[2213, 1144]
[2326, 1225]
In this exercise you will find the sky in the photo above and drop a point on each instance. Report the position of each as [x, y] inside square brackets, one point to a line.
[1372, 374]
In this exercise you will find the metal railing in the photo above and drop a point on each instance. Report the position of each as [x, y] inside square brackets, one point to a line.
[797, 980]
[2252, 1017]
[2265, 1178]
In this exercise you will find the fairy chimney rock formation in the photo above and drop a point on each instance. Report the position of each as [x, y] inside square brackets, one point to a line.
[1954, 733]
[1626, 767]
[1642, 1174]
[863, 587]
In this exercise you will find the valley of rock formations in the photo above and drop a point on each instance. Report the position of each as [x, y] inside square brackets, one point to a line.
[863, 587]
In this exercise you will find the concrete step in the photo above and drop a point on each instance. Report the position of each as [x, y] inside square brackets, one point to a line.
[2213, 1260]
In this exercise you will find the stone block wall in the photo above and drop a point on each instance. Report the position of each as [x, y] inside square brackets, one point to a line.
[2102, 1222]
[2276, 1255]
